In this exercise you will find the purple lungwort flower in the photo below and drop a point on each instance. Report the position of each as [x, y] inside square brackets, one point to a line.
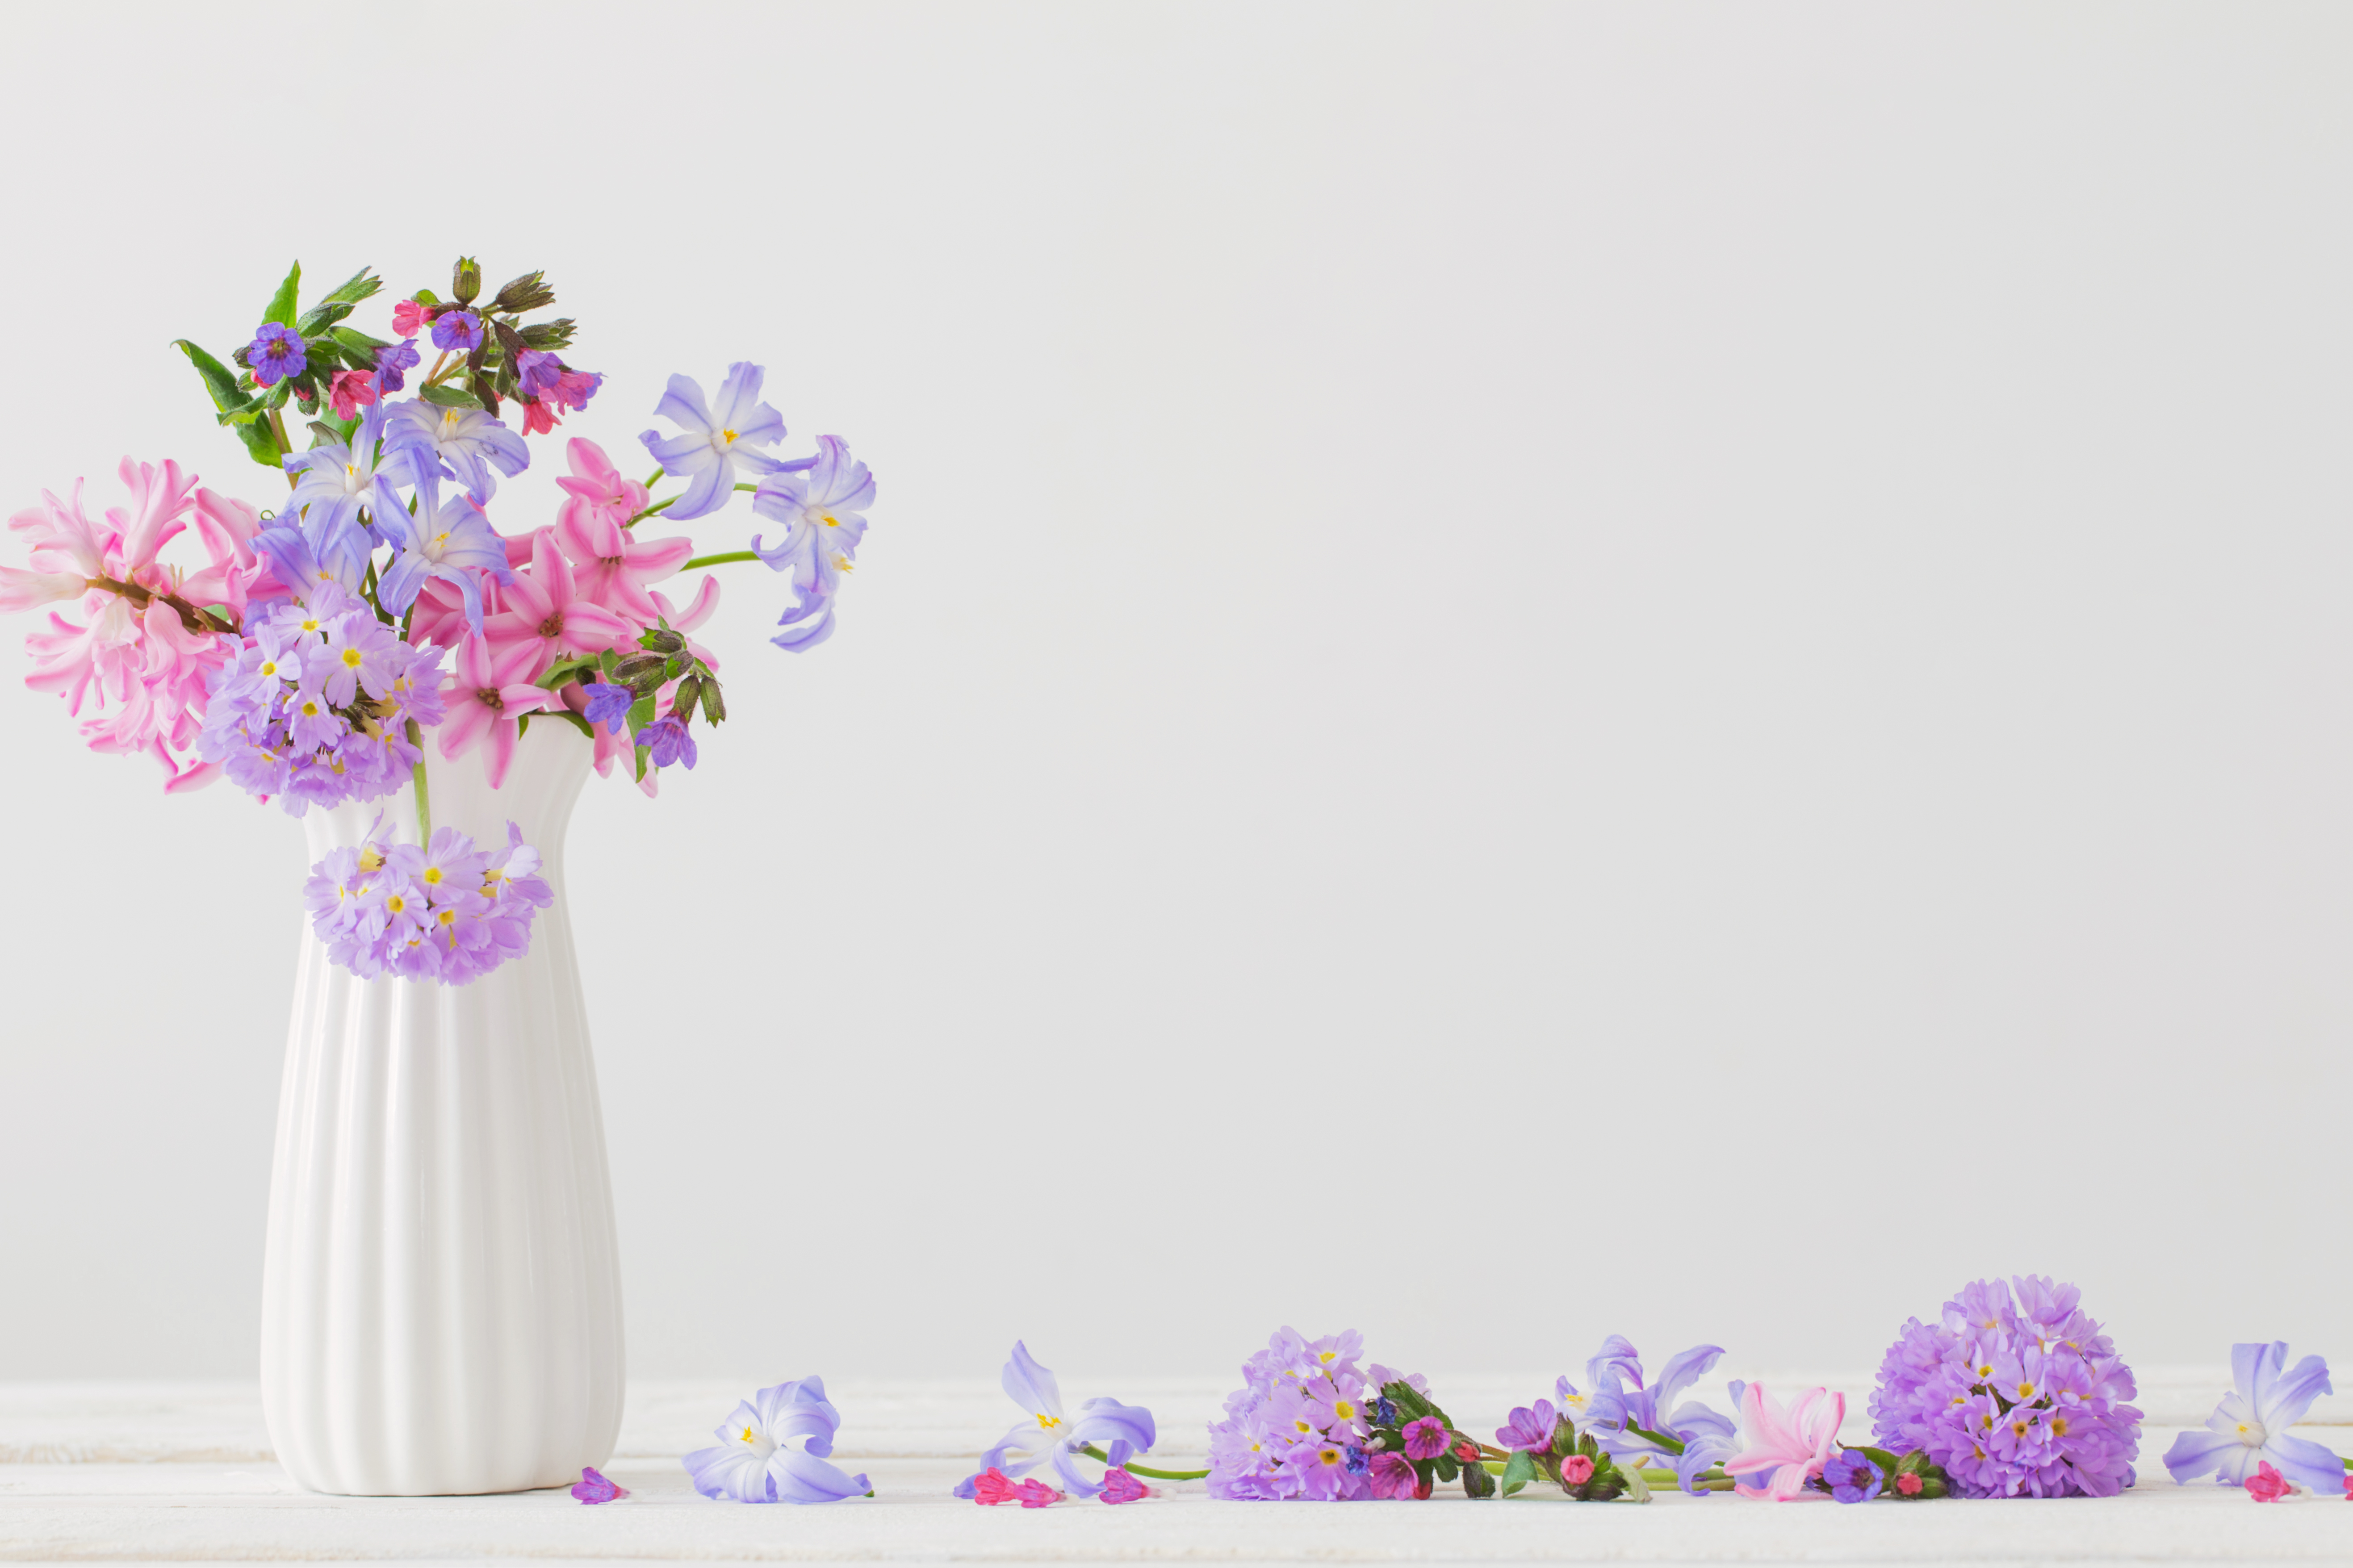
[2025, 1400]
[450, 540]
[1708, 1437]
[393, 362]
[457, 331]
[2250, 1426]
[608, 705]
[538, 372]
[667, 741]
[1853, 1476]
[773, 1449]
[275, 353]
[464, 443]
[1425, 1438]
[821, 501]
[337, 479]
[1528, 1427]
[1046, 1435]
[714, 444]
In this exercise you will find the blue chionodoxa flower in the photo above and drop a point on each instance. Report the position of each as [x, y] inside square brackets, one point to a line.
[463, 444]
[773, 1450]
[1613, 1410]
[821, 501]
[715, 442]
[2250, 1424]
[1046, 1435]
[451, 541]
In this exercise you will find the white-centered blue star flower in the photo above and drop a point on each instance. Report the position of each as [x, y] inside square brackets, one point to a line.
[2250, 1424]
[716, 440]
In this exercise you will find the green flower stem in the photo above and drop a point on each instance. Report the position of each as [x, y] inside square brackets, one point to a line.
[1658, 1477]
[1091, 1452]
[666, 505]
[1672, 1444]
[285, 447]
[720, 560]
[424, 805]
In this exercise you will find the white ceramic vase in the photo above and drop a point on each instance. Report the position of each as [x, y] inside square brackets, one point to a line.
[441, 1296]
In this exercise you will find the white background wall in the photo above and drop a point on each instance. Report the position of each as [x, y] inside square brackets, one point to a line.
[1522, 671]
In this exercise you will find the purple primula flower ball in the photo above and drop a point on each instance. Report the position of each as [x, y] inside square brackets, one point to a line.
[392, 362]
[1851, 1476]
[1305, 1398]
[2027, 1399]
[457, 331]
[275, 353]
[667, 742]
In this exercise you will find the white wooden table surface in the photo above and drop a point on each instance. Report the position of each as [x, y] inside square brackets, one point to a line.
[182, 1472]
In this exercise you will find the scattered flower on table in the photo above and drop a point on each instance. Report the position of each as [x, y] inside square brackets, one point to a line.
[1046, 1435]
[1853, 1476]
[1119, 1486]
[1784, 1448]
[2012, 1398]
[1629, 1421]
[2267, 1485]
[774, 1448]
[593, 1487]
[2248, 1430]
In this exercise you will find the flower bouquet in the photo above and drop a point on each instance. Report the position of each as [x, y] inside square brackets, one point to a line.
[368, 650]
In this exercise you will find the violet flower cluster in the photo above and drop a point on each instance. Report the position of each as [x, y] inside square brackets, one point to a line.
[2012, 1398]
[445, 911]
[1298, 1426]
[318, 707]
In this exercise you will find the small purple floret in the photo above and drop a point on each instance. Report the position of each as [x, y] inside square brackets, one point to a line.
[1529, 1428]
[392, 362]
[608, 706]
[1425, 1438]
[593, 1487]
[667, 742]
[457, 331]
[539, 372]
[275, 353]
[1853, 1476]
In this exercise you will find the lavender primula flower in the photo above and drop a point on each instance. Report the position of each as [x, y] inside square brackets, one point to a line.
[463, 443]
[450, 540]
[360, 651]
[338, 478]
[1047, 1437]
[392, 363]
[773, 1449]
[275, 353]
[821, 501]
[608, 705]
[2250, 1425]
[457, 331]
[714, 444]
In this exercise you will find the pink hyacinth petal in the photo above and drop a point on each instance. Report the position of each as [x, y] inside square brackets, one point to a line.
[593, 1487]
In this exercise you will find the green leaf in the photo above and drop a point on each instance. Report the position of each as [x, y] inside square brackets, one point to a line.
[642, 754]
[236, 410]
[359, 286]
[450, 396]
[359, 342]
[1518, 1471]
[641, 713]
[320, 317]
[1447, 1469]
[1636, 1486]
[1477, 1484]
[282, 304]
[569, 717]
[330, 429]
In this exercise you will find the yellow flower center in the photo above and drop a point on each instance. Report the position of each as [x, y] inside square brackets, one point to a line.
[747, 1434]
[351, 658]
[396, 903]
[1048, 1423]
[727, 438]
[433, 875]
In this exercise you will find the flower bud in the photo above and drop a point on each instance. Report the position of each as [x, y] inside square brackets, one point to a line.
[682, 700]
[466, 280]
[528, 292]
[714, 711]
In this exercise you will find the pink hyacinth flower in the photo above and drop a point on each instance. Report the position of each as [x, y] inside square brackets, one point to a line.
[486, 695]
[2267, 1485]
[546, 612]
[992, 1487]
[1787, 1447]
[610, 565]
[1121, 1487]
[1035, 1493]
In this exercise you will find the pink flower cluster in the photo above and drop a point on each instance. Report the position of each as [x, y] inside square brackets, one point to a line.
[152, 633]
[583, 587]
[992, 1485]
[445, 911]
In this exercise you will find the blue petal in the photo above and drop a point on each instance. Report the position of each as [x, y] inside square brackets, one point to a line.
[732, 1471]
[733, 407]
[2283, 1404]
[1074, 1480]
[706, 492]
[399, 587]
[463, 581]
[1026, 1383]
[680, 455]
[2306, 1463]
[1682, 1369]
[795, 1477]
[2195, 1453]
[1101, 1418]
[682, 406]
[2254, 1365]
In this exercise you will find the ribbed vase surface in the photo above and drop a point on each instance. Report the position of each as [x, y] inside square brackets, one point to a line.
[441, 1298]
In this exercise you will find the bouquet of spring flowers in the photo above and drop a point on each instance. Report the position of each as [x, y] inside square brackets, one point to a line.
[328, 638]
